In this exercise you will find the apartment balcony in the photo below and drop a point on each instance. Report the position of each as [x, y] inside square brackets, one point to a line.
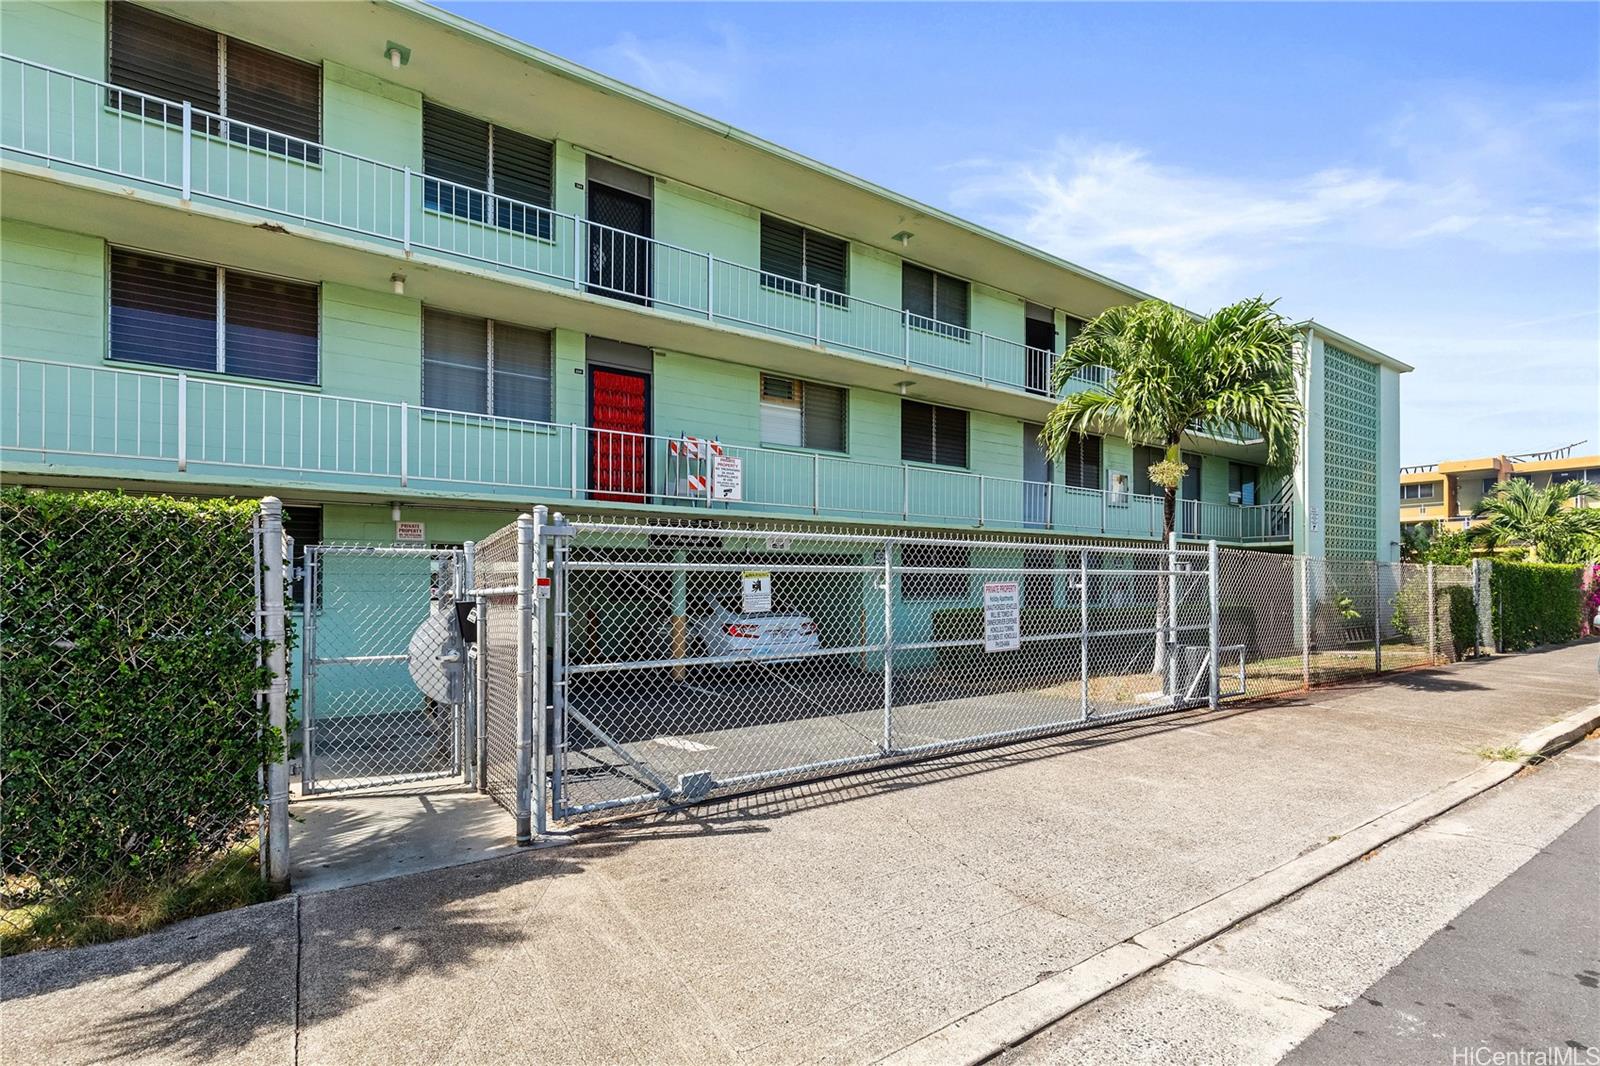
[68, 122]
[177, 429]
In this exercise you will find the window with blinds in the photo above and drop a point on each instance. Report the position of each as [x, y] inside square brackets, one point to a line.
[935, 301]
[486, 173]
[795, 259]
[275, 102]
[1081, 461]
[196, 317]
[801, 414]
[483, 366]
[950, 581]
[933, 434]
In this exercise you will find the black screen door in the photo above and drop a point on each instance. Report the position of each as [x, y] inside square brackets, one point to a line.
[619, 244]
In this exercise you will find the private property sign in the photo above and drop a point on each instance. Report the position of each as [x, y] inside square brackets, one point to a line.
[1002, 616]
[727, 477]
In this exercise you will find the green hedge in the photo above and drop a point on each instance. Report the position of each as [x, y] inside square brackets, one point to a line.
[131, 734]
[1453, 606]
[1535, 603]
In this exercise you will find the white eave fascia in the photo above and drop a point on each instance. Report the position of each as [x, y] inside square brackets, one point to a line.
[1355, 347]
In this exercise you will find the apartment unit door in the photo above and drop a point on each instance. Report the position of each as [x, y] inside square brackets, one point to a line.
[1189, 496]
[619, 419]
[620, 248]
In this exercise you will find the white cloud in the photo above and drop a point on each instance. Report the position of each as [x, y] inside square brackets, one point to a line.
[707, 68]
[1456, 169]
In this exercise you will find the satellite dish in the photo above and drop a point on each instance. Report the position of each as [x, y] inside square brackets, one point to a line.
[438, 658]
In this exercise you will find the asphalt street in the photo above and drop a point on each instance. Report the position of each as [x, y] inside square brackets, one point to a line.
[1517, 972]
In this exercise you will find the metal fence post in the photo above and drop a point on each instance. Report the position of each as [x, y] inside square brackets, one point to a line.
[277, 857]
[558, 660]
[888, 647]
[1305, 620]
[1083, 633]
[1216, 622]
[541, 739]
[524, 678]
[1169, 634]
[469, 713]
[1377, 617]
[1433, 615]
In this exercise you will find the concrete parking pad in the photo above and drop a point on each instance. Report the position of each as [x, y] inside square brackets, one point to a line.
[841, 920]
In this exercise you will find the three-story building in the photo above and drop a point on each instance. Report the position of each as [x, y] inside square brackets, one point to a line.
[398, 268]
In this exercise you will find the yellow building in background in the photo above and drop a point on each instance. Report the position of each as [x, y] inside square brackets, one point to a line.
[1448, 492]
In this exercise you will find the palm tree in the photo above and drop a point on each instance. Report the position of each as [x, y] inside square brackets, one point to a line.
[1175, 374]
[1555, 524]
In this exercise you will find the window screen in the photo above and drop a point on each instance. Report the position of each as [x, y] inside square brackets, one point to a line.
[939, 300]
[474, 157]
[932, 434]
[521, 372]
[794, 258]
[178, 61]
[1081, 461]
[455, 362]
[162, 56]
[271, 328]
[163, 311]
[463, 356]
[276, 92]
[1144, 457]
[951, 584]
[802, 414]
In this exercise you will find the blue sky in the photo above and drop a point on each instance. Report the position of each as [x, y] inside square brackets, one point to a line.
[1425, 178]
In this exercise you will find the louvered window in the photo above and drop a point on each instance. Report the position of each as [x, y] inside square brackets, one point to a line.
[951, 567]
[802, 414]
[275, 101]
[932, 434]
[935, 301]
[486, 173]
[1081, 461]
[168, 312]
[482, 366]
[799, 261]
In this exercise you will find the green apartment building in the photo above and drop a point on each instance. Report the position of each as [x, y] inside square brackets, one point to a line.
[399, 269]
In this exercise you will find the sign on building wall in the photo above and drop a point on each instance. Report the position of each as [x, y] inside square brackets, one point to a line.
[410, 532]
[727, 477]
[1002, 616]
[755, 587]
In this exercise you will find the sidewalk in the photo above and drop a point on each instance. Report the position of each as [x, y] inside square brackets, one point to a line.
[837, 921]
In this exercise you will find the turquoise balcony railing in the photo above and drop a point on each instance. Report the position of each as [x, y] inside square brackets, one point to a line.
[66, 120]
[112, 421]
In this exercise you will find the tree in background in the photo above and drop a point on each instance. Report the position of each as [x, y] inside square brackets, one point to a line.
[1174, 374]
[1424, 542]
[1558, 524]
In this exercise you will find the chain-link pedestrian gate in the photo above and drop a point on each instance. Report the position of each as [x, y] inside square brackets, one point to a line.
[386, 677]
[685, 661]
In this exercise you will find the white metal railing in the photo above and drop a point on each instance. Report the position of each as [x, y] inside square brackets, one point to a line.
[65, 118]
[149, 421]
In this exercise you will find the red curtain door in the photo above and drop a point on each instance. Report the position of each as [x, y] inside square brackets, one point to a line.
[618, 459]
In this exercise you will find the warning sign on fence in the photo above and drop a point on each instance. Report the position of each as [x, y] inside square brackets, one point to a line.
[755, 587]
[727, 477]
[1002, 616]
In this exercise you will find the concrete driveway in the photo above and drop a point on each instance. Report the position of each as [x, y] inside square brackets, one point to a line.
[836, 921]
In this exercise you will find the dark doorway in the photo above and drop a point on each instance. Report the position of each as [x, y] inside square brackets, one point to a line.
[619, 414]
[1040, 337]
[619, 244]
[1189, 496]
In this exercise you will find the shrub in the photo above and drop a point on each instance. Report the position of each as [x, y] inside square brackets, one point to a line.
[132, 738]
[1535, 603]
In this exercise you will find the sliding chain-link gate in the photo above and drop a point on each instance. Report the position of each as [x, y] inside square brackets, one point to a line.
[628, 664]
[385, 676]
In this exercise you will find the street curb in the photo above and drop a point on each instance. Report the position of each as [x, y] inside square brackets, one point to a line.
[1006, 1022]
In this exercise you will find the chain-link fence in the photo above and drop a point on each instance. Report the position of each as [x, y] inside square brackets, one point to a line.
[385, 671]
[685, 659]
[138, 729]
